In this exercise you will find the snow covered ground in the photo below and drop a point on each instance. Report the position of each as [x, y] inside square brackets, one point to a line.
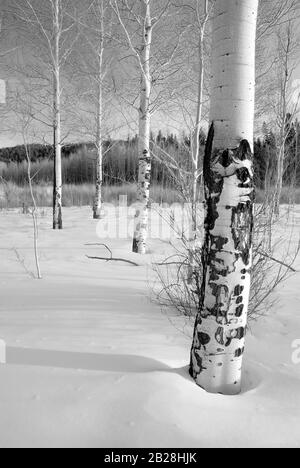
[92, 362]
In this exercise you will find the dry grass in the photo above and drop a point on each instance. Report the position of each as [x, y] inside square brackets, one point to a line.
[17, 196]
[273, 264]
[288, 196]
[14, 196]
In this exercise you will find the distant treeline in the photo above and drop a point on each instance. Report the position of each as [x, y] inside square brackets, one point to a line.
[121, 160]
[266, 152]
[38, 152]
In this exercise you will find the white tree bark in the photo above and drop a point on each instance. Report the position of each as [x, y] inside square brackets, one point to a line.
[196, 135]
[57, 186]
[219, 339]
[284, 52]
[34, 213]
[144, 177]
[193, 267]
[99, 161]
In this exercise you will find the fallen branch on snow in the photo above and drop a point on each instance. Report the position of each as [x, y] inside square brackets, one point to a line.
[111, 259]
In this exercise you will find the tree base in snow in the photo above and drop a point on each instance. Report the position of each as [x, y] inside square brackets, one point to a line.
[98, 215]
[57, 222]
[57, 209]
[220, 329]
[135, 246]
[217, 380]
[138, 247]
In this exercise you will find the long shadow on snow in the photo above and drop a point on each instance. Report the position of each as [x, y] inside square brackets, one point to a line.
[119, 363]
[85, 361]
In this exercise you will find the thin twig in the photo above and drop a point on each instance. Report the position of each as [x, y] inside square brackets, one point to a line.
[113, 260]
[263, 254]
[101, 245]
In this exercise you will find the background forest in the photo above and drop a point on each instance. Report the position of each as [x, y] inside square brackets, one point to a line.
[94, 60]
[120, 169]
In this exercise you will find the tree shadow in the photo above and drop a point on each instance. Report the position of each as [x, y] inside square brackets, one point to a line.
[118, 363]
[83, 361]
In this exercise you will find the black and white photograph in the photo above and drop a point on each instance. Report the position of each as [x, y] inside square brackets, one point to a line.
[150, 226]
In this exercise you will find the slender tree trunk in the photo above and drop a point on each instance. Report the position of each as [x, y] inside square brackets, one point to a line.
[279, 181]
[219, 338]
[295, 170]
[144, 177]
[286, 72]
[99, 162]
[196, 136]
[281, 154]
[57, 186]
[193, 268]
[33, 215]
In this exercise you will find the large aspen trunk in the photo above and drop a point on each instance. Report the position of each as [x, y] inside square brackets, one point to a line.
[57, 185]
[219, 338]
[144, 177]
[99, 162]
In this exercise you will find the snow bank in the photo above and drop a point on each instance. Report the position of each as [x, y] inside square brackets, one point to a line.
[92, 362]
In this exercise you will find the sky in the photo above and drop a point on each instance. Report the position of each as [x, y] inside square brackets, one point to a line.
[13, 39]
[166, 121]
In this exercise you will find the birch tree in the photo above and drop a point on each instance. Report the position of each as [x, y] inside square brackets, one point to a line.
[220, 328]
[34, 209]
[93, 64]
[48, 30]
[23, 124]
[144, 177]
[155, 56]
[57, 182]
[202, 20]
[99, 163]
[286, 106]
[143, 55]
[278, 102]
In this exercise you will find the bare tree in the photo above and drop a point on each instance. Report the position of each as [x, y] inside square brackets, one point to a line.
[277, 100]
[273, 14]
[57, 187]
[100, 52]
[50, 34]
[202, 20]
[286, 108]
[93, 63]
[23, 122]
[34, 210]
[155, 58]
[144, 56]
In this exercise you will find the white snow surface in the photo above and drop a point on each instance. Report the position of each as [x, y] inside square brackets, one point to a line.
[93, 362]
